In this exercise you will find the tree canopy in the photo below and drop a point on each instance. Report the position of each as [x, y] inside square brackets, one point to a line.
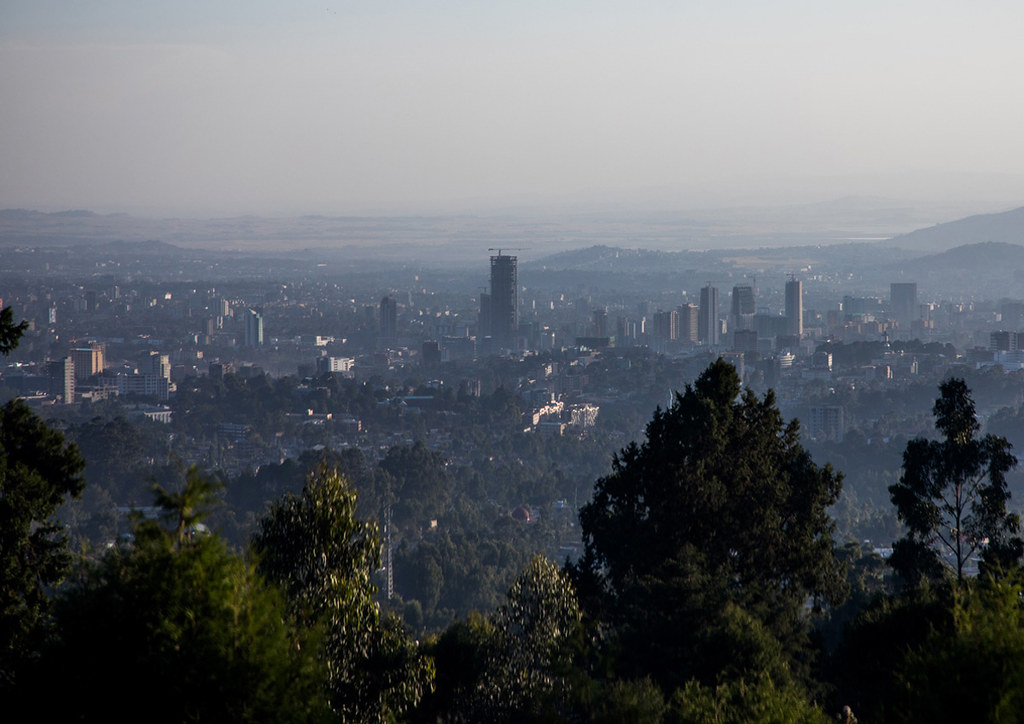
[182, 627]
[38, 472]
[720, 505]
[952, 495]
[323, 556]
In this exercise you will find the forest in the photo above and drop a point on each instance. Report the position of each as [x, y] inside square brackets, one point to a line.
[711, 584]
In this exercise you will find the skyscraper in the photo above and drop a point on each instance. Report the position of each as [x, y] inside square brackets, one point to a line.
[388, 318]
[707, 321]
[88, 360]
[504, 306]
[903, 303]
[62, 379]
[689, 315]
[795, 308]
[741, 315]
[254, 327]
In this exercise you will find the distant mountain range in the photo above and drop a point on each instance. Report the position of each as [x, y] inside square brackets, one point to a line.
[1006, 228]
[606, 237]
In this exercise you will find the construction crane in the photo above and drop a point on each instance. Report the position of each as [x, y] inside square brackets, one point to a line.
[507, 248]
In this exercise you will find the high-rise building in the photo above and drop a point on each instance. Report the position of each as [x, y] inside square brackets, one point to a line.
[600, 321]
[88, 360]
[707, 320]
[745, 340]
[827, 423]
[388, 318]
[743, 309]
[62, 379]
[688, 322]
[795, 308]
[254, 327]
[666, 324]
[155, 364]
[903, 303]
[484, 322]
[504, 306]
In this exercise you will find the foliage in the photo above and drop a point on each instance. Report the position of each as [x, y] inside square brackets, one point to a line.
[533, 627]
[635, 700]
[188, 507]
[184, 629]
[973, 671]
[952, 495]
[755, 699]
[512, 665]
[10, 333]
[38, 471]
[322, 556]
[460, 654]
[874, 643]
[719, 505]
[419, 483]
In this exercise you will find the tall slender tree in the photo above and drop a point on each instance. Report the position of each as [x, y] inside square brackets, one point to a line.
[952, 495]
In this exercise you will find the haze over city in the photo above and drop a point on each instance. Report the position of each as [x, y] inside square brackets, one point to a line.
[198, 109]
[512, 362]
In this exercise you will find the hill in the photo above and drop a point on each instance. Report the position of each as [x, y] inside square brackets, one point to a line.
[1006, 227]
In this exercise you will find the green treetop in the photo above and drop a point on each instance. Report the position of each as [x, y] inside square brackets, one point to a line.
[720, 507]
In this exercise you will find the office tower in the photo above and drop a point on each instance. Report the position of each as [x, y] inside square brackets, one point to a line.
[688, 322]
[741, 314]
[62, 379]
[795, 308]
[707, 321]
[88, 360]
[827, 423]
[254, 327]
[388, 318]
[484, 321]
[1003, 341]
[600, 320]
[903, 303]
[504, 303]
[155, 364]
[666, 324]
[745, 340]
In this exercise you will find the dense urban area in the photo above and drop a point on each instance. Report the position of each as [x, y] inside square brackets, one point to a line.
[481, 417]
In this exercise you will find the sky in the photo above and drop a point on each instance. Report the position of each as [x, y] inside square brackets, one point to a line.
[220, 108]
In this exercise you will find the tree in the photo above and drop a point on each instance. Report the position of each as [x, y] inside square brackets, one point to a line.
[533, 628]
[182, 626]
[971, 669]
[512, 665]
[322, 556]
[186, 509]
[10, 333]
[38, 472]
[720, 505]
[952, 495]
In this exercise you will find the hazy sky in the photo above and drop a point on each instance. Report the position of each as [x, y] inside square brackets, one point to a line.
[205, 107]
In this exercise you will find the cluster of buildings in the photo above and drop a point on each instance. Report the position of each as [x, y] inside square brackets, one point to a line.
[92, 344]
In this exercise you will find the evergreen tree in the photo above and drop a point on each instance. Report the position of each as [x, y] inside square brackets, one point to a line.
[38, 472]
[720, 506]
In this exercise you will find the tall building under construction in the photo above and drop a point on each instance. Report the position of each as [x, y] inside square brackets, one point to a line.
[503, 304]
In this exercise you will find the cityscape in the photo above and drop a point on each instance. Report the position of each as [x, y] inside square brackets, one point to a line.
[447, 363]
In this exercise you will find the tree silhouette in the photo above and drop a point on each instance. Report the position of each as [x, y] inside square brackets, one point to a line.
[952, 495]
[720, 505]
